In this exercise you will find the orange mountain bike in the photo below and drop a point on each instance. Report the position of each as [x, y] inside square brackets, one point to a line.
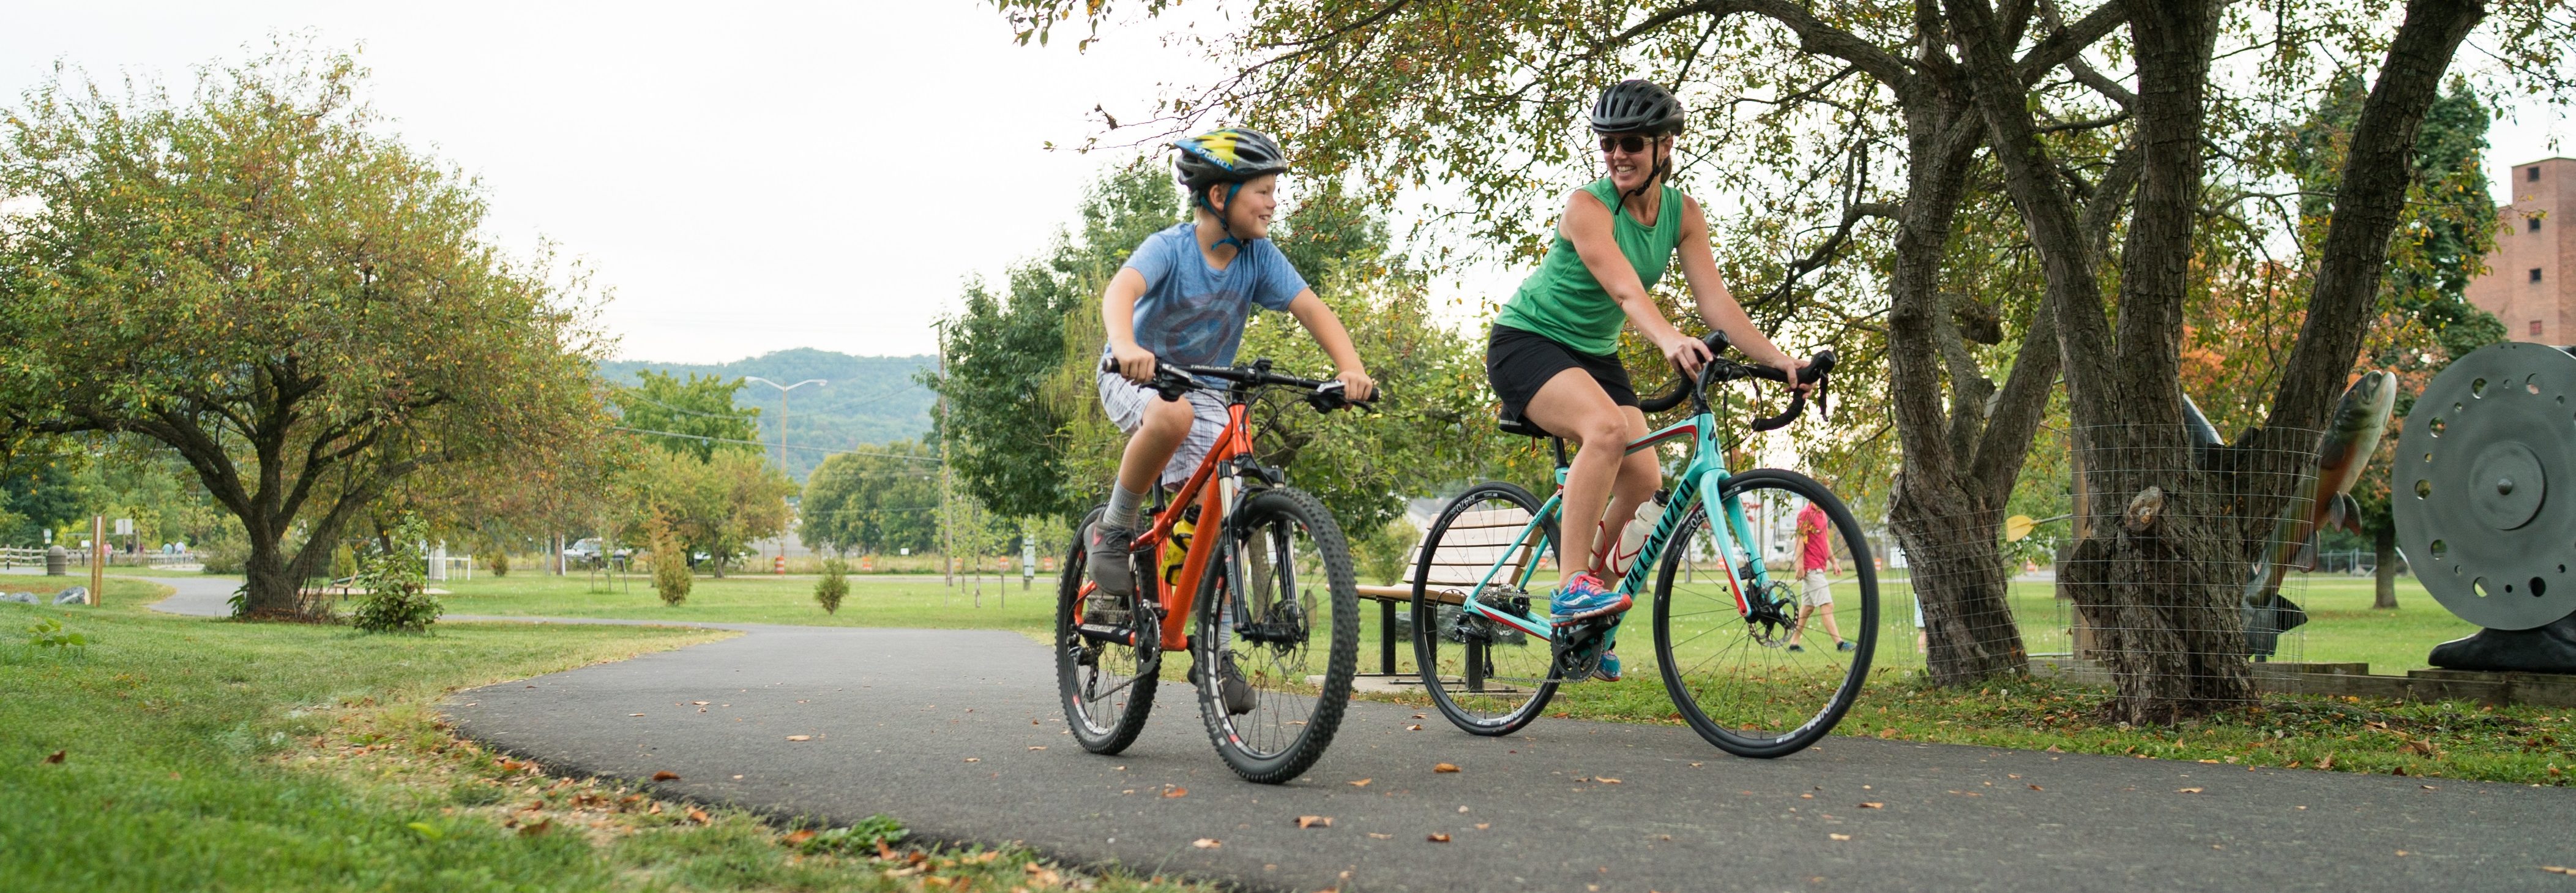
[1265, 574]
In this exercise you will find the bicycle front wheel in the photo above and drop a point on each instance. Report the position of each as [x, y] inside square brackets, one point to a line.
[1278, 636]
[1767, 670]
[1486, 677]
[1105, 680]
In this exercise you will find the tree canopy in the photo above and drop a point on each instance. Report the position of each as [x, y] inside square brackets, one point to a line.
[260, 278]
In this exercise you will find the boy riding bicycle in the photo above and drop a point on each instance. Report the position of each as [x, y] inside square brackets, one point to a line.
[1182, 299]
[1553, 358]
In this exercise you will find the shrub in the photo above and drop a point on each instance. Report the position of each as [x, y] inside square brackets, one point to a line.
[498, 563]
[47, 633]
[670, 562]
[397, 584]
[834, 586]
[344, 562]
[225, 551]
[1381, 553]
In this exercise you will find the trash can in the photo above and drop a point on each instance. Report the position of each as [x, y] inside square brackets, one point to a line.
[57, 561]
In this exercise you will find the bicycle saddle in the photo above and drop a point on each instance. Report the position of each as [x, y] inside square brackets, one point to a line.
[1512, 423]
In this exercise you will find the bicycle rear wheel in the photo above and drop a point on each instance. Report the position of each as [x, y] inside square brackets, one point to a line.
[1106, 681]
[1766, 677]
[1273, 681]
[1486, 677]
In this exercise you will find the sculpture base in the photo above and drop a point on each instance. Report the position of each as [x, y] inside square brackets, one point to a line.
[2264, 625]
[2546, 649]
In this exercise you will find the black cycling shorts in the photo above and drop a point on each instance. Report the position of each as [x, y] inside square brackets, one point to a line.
[1518, 362]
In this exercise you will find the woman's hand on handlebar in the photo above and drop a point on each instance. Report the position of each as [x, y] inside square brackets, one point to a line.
[1134, 362]
[1789, 366]
[1356, 384]
[1686, 352]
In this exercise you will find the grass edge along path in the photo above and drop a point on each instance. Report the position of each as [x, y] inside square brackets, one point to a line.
[180, 753]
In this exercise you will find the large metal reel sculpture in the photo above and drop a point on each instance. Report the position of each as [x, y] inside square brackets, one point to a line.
[2485, 503]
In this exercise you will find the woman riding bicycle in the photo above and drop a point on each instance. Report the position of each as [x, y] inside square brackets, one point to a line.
[1553, 357]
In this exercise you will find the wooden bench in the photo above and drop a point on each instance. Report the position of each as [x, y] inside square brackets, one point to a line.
[1475, 540]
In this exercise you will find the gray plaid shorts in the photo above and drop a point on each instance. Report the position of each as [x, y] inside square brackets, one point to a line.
[1125, 402]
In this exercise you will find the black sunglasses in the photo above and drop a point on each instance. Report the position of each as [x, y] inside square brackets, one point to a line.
[1630, 143]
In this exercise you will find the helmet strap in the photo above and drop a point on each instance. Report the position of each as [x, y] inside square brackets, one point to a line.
[1221, 222]
[1663, 167]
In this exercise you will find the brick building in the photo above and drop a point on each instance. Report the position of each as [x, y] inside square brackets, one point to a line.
[2530, 282]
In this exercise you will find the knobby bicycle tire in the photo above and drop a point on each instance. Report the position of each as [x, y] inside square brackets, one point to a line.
[1115, 727]
[1256, 761]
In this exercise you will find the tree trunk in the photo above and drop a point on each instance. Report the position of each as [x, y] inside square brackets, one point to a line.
[1961, 578]
[2384, 583]
[271, 590]
[2158, 581]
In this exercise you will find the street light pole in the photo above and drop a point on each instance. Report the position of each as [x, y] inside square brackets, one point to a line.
[782, 409]
[782, 438]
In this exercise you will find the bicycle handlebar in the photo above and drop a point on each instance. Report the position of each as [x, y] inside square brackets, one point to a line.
[1719, 371]
[1171, 381]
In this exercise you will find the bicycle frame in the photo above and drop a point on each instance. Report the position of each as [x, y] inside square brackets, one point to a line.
[1215, 503]
[1705, 473]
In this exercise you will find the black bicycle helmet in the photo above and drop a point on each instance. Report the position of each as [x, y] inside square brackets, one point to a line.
[1637, 106]
[1227, 155]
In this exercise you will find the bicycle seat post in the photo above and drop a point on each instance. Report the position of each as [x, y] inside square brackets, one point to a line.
[1558, 443]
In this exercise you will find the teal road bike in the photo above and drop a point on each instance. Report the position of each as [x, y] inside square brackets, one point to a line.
[1740, 633]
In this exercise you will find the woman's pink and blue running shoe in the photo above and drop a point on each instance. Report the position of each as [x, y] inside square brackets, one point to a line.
[1582, 597]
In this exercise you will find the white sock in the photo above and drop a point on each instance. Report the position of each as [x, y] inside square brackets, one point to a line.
[1125, 507]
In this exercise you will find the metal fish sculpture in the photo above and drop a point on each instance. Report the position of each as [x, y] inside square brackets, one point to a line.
[2350, 439]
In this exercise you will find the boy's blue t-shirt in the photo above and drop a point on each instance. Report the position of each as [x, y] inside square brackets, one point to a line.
[1193, 315]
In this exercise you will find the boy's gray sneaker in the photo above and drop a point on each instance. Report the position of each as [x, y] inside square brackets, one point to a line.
[1231, 688]
[1106, 551]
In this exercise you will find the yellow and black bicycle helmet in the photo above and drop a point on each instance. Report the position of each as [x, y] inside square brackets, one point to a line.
[1225, 155]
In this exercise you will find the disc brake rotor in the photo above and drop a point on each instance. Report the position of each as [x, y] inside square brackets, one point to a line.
[2485, 445]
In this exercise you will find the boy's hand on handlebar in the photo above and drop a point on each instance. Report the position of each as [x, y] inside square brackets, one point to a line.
[1356, 384]
[1686, 352]
[1134, 362]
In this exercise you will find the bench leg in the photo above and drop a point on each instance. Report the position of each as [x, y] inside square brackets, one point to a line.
[1386, 635]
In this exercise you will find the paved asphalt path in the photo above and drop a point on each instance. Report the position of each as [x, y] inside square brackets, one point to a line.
[957, 734]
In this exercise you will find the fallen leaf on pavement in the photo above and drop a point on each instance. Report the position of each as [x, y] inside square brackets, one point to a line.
[1417, 716]
[2037, 788]
[2186, 790]
[57, 756]
[1873, 806]
[1484, 825]
[2428, 787]
[1413, 727]
[2558, 869]
[1313, 821]
[800, 737]
[1206, 843]
[1438, 838]
[665, 775]
[799, 837]
[974, 759]
[1177, 792]
[1839, 836]
[1381, 836]
[634, 714]
[1606, 780]
[1444, 767]
[1038, 747]
[1362, 782]
[699, 703]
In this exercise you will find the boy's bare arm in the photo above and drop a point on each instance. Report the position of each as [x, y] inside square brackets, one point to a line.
[1321, 322]
[1118, 315]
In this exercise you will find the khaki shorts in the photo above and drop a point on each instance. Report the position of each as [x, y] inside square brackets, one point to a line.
[1814, 590]
[1124, 401]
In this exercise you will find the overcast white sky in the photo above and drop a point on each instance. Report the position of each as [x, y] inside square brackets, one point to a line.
[747, 176]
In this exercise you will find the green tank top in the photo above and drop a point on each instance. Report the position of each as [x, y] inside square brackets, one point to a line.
[1563, 302]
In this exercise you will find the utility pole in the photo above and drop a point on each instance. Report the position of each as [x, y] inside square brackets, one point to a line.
[947, 529]
[782, 440]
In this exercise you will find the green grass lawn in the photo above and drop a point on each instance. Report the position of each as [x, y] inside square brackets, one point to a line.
[207, 755]
[907, 600]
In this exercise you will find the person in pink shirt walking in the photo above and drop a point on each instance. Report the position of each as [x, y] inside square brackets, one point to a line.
[1816, 567]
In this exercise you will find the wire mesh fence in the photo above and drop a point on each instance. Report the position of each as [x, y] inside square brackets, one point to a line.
[2178, 571]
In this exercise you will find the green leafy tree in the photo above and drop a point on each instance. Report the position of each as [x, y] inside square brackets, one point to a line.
[695, 416]
[834, 586]
[881, 498]
[261, 279]
[670, 557]
[718, 506]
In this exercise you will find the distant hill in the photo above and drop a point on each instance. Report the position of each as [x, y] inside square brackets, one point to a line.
[869, 399]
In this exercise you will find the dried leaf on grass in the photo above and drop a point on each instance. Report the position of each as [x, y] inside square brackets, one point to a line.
[56, 756]
[798, 837]
[537, 830]
[700, 816]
